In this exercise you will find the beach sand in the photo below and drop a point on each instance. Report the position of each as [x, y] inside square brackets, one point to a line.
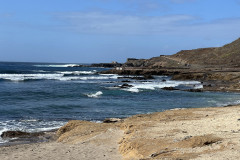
[103, 146]
[180, 134]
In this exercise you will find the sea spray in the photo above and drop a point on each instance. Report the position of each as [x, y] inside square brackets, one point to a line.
[95, 95]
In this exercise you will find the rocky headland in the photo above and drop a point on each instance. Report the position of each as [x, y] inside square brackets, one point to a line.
[217, 68]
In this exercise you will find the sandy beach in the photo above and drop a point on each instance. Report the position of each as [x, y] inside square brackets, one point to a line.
[198, 133]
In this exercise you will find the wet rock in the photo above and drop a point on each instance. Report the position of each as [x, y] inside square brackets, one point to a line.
[125, 85]
[209, 85]
[19, 134]
[13, 134]
[170, 88]
[111, 120]
[106, 65]
[194, 90]
[144, 77]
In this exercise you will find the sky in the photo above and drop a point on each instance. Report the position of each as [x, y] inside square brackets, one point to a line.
[94, 31]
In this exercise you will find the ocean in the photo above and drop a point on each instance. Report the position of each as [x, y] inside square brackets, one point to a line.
[44, 96]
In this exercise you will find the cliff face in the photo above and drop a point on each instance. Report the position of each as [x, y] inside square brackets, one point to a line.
[228, 55]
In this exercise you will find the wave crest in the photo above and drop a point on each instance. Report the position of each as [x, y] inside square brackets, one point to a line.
[55, 76]
[56, 65]
[95, 95]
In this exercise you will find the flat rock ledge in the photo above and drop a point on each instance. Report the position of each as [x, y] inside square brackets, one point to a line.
[179, 134]
[200, 133]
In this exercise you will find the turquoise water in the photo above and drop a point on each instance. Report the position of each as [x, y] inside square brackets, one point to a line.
[40, 97]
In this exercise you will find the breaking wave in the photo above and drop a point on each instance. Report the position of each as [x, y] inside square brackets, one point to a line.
[28, 125]
[154, 85]
[77, 72]
[55, 76]
[56, 65]
[95, 95]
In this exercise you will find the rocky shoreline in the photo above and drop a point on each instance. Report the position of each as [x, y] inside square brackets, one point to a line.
[179, 134]
[218, 79]
[19, 137]
[217, 68]
[197, 133]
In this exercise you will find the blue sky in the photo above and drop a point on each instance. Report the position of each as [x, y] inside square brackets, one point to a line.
[86, 31]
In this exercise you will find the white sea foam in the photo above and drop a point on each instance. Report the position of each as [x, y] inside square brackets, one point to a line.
[22, 77]
[77, 72]
[198, 86]
[42, 71]
[174, 109]
[28, 125]
[55, 76]
[43, 129]
[1, 131]
[236, 102]
[159, 84]
[132, 89]
[95, 95]
[98, 77]
[56, 65]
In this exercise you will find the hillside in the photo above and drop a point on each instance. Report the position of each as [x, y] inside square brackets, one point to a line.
[228, 55]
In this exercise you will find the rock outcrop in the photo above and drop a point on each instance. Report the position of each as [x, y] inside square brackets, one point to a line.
[173, 134]
[218, 67]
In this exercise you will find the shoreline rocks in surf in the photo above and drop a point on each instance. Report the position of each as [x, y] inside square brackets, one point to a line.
[20, 137]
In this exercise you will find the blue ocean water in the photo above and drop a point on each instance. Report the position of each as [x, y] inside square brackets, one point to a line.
[40, 97]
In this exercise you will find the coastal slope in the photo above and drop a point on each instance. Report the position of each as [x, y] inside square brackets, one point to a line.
[227, 55]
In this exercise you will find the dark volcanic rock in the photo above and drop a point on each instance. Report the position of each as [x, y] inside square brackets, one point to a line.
[133, 62]
[170, 88]
[148, 76]
[106, 65]
[144, 77]
[111, 120]
[125, 85]
[194, 90]
[19, 134]
[19, 137]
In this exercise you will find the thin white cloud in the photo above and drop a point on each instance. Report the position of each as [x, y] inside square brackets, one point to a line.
[171, 25]
[101, 23]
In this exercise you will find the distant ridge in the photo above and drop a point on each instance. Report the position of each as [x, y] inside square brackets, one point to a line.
[228, 55]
